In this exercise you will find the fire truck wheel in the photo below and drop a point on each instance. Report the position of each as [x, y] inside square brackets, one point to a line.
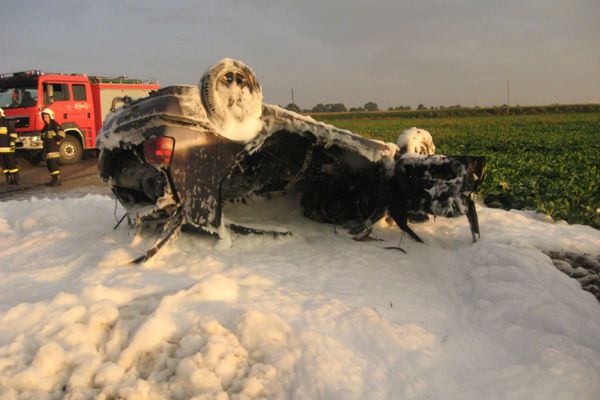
[70, 150]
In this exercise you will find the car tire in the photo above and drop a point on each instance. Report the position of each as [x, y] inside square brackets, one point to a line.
[70, 150]
[232, 98]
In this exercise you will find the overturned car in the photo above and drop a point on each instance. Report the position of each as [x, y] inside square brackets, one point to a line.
[174, 157]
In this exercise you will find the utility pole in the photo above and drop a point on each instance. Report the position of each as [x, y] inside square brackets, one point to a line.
[508, 96]
[293, 99]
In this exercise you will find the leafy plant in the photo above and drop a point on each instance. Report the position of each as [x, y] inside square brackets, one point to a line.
[548, 163]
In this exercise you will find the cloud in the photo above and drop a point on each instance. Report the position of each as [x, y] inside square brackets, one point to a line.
[439, 52]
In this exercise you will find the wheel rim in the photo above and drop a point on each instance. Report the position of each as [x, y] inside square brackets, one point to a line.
[68, 151]
[232, 98]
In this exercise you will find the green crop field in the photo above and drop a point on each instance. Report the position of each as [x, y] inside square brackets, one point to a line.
[549, 163]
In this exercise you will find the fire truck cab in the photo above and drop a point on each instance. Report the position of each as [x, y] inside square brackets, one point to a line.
[80, 103]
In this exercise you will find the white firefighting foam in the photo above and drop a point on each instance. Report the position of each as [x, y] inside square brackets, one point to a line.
[416, 140]
[313, 315]
[233, 98]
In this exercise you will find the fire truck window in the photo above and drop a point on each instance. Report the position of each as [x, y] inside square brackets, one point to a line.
[22, 96]
[55, 92]
[79, 93]
[27, 100]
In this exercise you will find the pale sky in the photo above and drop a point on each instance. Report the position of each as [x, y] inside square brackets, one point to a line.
[329, 51]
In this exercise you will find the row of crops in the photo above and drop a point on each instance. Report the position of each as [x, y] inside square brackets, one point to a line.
[549, 163]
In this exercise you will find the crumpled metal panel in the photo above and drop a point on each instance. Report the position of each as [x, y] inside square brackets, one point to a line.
[173, 104]
[201, 161]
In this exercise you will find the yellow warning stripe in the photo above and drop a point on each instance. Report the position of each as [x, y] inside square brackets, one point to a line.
[51, 134]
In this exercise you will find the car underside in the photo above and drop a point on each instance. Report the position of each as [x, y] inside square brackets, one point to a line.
[176, 156]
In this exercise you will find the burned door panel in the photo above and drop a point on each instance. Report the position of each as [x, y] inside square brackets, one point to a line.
[200, 162]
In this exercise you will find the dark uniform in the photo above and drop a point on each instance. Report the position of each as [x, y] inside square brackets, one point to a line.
[52, 135]
[8, 159]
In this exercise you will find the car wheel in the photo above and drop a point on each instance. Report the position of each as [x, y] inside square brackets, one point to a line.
[70, 150]
[232, 98]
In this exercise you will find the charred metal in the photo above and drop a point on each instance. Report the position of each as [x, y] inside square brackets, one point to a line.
[222, 143]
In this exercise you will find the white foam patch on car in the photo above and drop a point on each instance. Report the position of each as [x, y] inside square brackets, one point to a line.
[417, 141]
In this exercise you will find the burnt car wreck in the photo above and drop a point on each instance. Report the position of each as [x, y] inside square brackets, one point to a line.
[174, 157]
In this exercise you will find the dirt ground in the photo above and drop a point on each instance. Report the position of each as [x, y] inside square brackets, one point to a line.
[77, 179]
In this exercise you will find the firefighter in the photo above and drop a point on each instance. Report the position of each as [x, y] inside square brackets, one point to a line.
[52, 135]
[8, 159]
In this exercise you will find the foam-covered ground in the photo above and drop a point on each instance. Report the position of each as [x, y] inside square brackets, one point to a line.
[312, 316]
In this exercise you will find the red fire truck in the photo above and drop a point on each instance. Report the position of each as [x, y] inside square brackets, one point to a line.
[80, 103]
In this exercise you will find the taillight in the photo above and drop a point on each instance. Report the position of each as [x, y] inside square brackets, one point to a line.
[159, 150]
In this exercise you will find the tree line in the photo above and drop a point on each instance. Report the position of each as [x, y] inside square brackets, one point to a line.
[369, 106]
[337, 107]
[446, 111]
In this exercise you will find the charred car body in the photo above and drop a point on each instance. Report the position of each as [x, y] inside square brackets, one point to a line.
[177, 155]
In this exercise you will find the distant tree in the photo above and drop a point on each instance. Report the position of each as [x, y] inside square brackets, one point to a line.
[319, 108]
[356, 109]
[338, 107]
[421, 107]
[371, 106]
[293, 107]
